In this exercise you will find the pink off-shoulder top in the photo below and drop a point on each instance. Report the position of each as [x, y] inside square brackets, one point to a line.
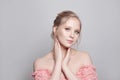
[87, 72]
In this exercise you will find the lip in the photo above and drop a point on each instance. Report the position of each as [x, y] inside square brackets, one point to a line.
[70, 41]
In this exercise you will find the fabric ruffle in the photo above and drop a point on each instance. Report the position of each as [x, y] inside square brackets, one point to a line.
[87, 72]
[41, 74]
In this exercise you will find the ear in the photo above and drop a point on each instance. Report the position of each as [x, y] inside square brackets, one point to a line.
[55, 29]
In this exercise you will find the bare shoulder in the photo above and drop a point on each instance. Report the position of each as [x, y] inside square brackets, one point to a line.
[83, 57]
[43, 62]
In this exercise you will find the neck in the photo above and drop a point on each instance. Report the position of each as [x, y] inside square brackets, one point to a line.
[64, 51]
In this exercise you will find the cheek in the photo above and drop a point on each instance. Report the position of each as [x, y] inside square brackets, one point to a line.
[61, 37]
[61, 34]
[76, 39]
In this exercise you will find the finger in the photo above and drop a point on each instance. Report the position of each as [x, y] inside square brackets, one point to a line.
[68, 53]
[54, 37]
[57, 45]
[57, 42]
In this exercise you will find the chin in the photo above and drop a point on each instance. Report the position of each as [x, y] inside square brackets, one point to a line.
[66, 45]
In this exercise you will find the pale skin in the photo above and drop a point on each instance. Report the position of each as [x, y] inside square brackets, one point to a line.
[64, 61]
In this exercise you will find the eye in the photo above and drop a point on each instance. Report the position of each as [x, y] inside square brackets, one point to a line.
[67, 29]
[77, 32]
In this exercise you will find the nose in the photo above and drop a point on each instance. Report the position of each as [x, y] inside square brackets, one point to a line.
[72, 35]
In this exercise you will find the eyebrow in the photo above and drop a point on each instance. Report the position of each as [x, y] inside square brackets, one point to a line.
[71, 27]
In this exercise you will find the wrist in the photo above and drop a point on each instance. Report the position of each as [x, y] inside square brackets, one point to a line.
[64, 65]
[58, 61]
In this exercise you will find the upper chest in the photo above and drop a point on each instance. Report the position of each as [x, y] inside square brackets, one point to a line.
[73, 65]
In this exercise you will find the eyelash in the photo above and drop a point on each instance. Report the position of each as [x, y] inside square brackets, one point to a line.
[77, 32]
[67, 28]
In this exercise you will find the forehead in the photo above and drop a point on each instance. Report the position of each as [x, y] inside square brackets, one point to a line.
[72, 22]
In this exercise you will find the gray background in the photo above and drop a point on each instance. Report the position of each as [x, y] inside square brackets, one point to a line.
[25, 27]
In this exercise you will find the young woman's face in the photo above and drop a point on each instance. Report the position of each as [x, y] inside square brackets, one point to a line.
[68, 33]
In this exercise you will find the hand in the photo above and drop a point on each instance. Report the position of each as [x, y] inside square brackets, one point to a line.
[67, 58]
[56, 73]
[57, 51]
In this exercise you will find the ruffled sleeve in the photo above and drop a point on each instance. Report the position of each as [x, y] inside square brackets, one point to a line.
[87, 72]
[41, 74]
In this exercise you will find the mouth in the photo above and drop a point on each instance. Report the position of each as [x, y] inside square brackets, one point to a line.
[70, 41]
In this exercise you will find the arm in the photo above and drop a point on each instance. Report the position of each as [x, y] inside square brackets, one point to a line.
[85, 59]
[68, 73]
[41, 75]
[58, 61]
[56, 72]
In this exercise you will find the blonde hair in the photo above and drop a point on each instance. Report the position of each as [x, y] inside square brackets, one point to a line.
[62, 17]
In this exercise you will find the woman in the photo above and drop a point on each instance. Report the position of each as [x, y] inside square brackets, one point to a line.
[64, 62]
